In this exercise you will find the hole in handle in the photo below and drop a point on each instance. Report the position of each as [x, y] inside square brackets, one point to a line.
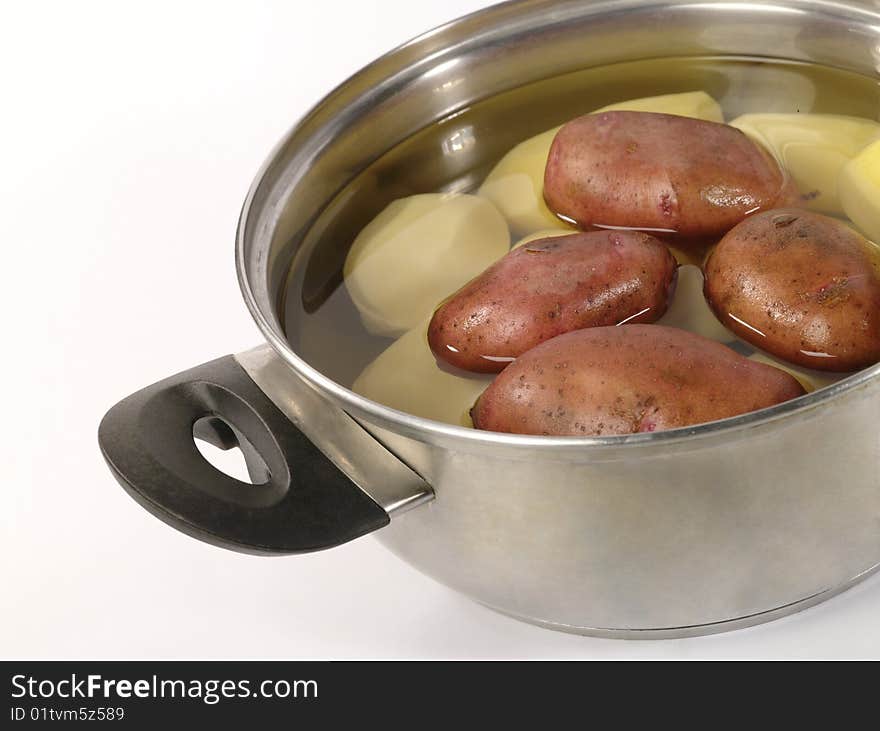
[227, 450]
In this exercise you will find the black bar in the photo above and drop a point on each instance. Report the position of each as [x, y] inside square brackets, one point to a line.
[145, 693]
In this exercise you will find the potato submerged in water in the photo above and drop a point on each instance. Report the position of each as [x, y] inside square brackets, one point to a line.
[417, 251]
[694, 104]
[813, 148]
[689, 311]
[623, 380]
[685, 179]
[801, 286]
[549, 287]
[859, 187]
[811, 380]
[547, 233]
[516, 183]
[405, 377]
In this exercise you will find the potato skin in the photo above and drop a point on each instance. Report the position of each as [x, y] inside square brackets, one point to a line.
[548, 287]
[799, 285]
[622, 380]
[687, 179]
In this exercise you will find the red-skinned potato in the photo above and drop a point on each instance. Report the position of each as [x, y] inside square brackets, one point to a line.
[622, 380]
[799, 285]
[681, 178]
[548, 287]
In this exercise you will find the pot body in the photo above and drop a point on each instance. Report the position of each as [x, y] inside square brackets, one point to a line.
[699, 534]
[692, 539]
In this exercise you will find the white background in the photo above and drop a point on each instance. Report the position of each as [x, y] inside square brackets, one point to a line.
[130, 134]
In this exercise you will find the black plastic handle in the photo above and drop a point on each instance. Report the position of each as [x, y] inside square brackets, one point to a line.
[305, 502]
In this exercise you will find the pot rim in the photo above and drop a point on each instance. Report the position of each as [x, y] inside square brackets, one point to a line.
[402, 422]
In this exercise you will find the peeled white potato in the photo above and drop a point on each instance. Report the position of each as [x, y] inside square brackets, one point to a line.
[516, 186]
[406, 377]
[689, 311]
[814, 148]
[811, 380]
[418, 251]
[516, 183]
[859, 188]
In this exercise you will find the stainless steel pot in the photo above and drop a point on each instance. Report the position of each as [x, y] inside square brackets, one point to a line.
[674, 533]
